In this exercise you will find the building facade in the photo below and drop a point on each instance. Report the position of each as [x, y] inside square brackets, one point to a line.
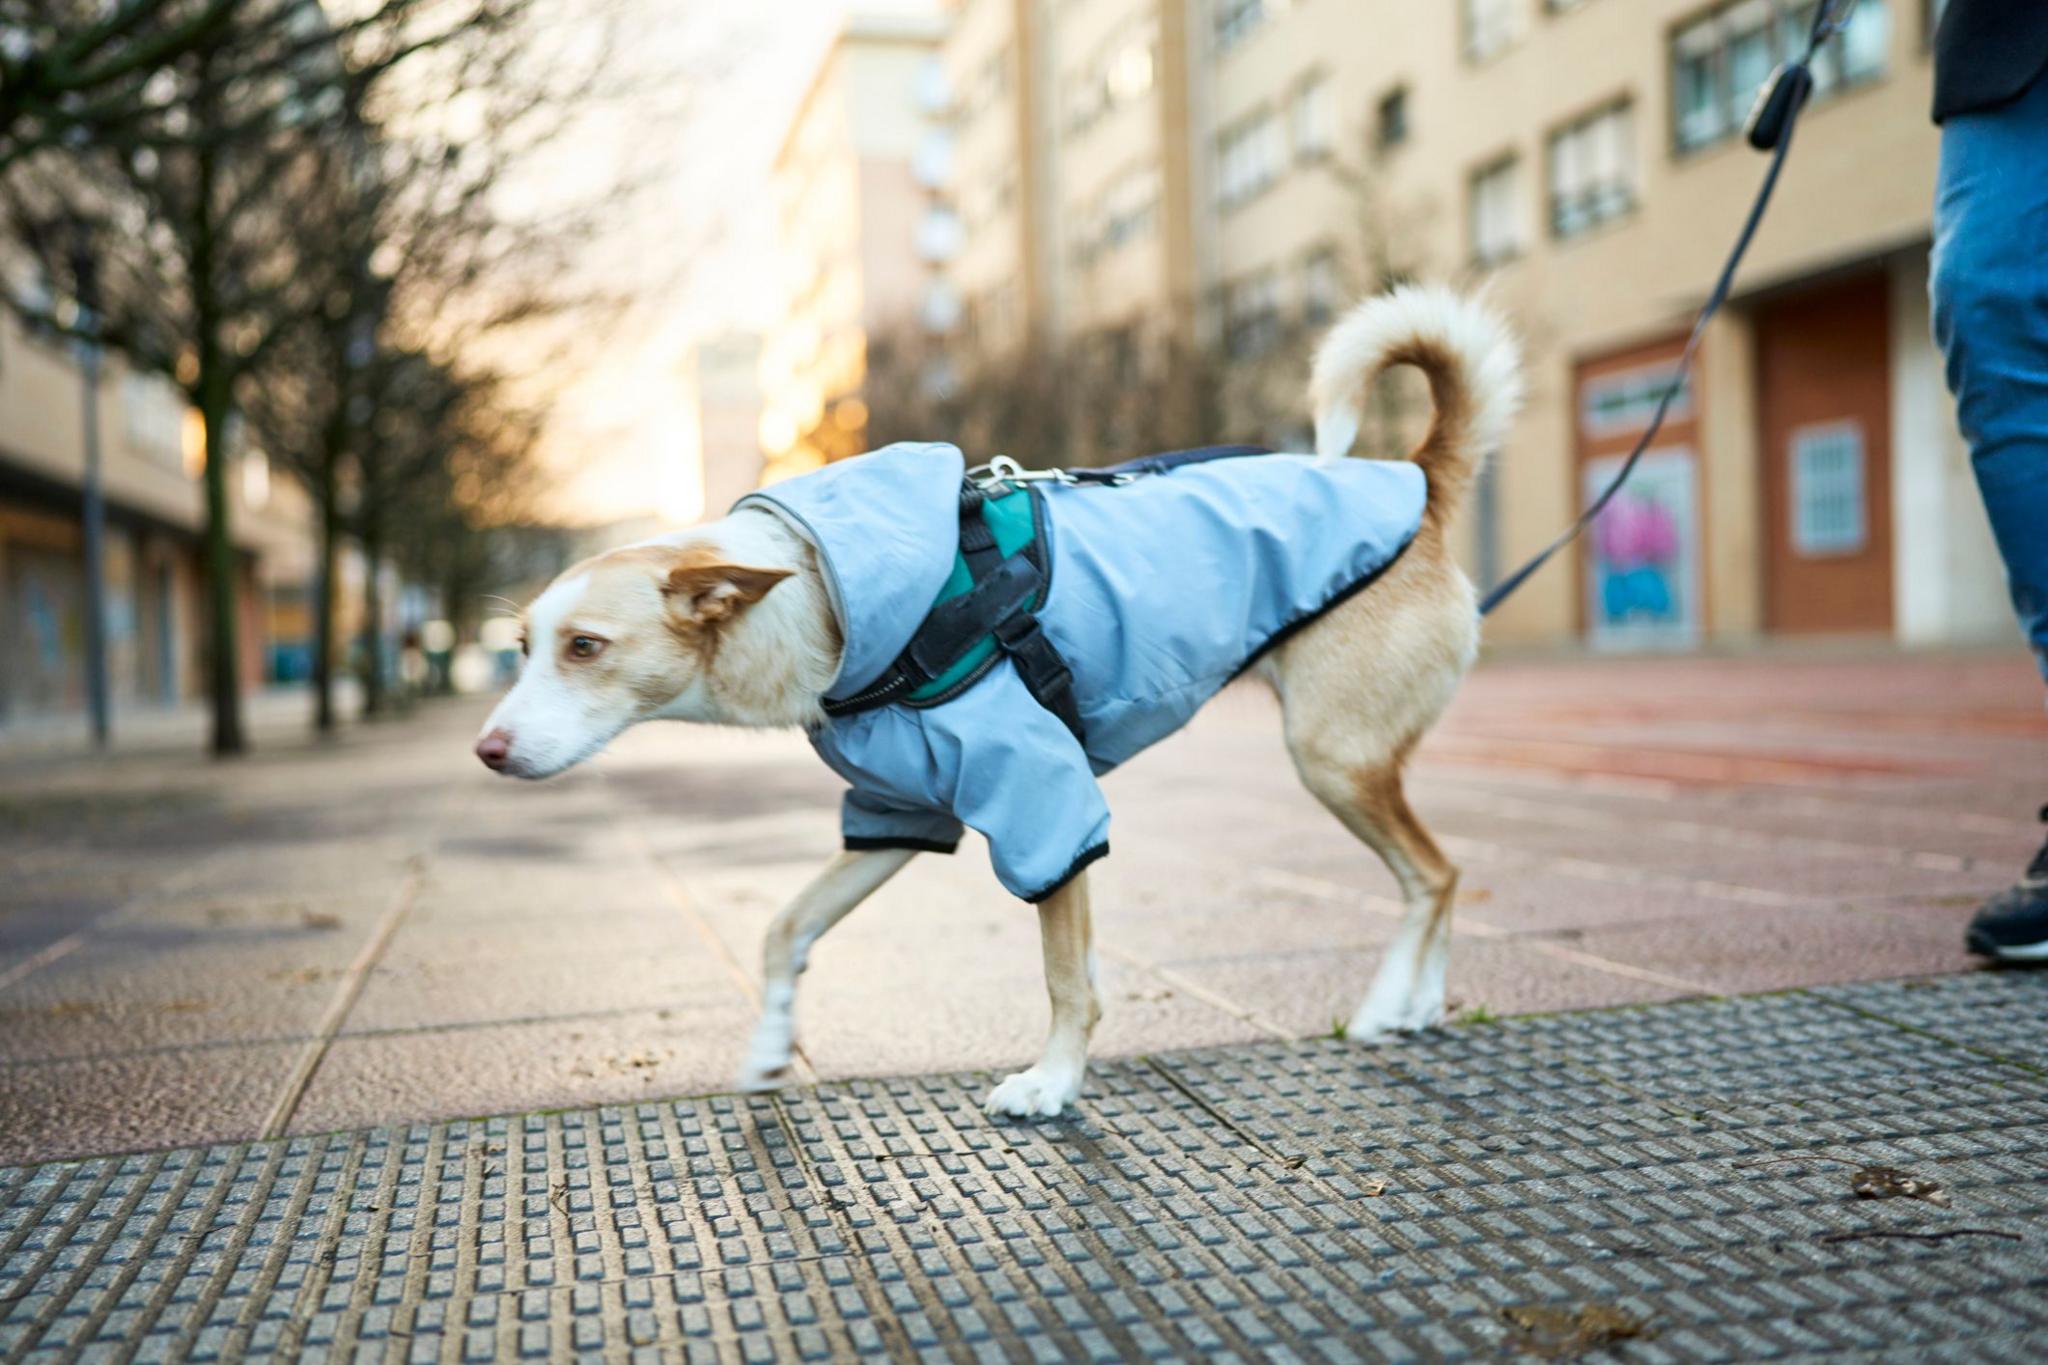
[1238, 169]
[856, 230]
[151, 462]
[727, 399]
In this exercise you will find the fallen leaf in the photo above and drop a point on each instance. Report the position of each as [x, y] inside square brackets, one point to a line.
[1887, 1182]
[1566, 1334]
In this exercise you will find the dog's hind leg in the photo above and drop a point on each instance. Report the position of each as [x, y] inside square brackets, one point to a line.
[1055, 1082]
[846, 881]
[1407, 993]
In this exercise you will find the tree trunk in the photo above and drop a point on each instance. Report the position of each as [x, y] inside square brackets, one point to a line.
[224, 655]
[374, 698]
[323, 596]
[215, 392]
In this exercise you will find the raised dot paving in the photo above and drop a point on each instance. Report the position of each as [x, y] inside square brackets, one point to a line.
[1686, 1166]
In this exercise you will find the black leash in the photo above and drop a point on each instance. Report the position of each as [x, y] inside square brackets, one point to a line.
[1769, 129]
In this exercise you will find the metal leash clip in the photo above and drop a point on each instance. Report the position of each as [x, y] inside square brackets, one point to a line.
[1002, 469]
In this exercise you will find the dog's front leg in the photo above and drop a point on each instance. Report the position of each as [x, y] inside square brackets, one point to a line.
[846, 881]
[1055, 1081]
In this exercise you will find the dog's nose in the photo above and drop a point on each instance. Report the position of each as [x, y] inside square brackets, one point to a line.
[495, 749]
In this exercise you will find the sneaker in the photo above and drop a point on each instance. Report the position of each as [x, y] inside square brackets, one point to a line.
[2013, 925]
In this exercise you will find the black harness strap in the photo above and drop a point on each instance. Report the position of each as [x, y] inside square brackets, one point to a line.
[1164, 463]
[1044, 672]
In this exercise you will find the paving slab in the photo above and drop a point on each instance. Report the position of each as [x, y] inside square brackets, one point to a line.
[388, 933]
[1679, 1176]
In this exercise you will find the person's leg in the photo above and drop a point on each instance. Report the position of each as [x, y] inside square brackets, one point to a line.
[1990, 286]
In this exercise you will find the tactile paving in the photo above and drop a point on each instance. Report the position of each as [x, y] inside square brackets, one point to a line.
[1686, 1167]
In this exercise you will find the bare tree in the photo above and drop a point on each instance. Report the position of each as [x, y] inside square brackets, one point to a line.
[82, 72]
[193, 176]
[419, 263]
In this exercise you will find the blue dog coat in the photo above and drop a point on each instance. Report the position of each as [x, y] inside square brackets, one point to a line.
[1161, 591]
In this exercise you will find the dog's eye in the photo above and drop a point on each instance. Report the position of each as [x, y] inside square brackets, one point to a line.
[584, 646]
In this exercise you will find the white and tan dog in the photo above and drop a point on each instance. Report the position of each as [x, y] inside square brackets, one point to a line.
[731, 624]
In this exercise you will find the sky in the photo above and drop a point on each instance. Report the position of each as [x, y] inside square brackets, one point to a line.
[717, 83]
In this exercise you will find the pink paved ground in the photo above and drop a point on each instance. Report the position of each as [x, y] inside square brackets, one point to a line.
[379, 931]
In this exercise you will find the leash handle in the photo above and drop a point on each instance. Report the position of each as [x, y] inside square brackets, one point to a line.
[1769, 128]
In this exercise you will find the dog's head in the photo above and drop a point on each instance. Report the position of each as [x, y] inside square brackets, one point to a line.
[616, 640]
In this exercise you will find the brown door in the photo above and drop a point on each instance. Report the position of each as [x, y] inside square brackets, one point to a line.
[1824, 403]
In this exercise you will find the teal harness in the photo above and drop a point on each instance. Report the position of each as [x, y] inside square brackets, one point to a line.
[986, 610]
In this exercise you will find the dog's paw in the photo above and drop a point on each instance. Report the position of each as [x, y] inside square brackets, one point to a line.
[1039, 1093]
[1377, 1024]
[762, 1080]
[767, 1066]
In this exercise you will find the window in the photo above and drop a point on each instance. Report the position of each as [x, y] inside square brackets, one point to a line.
[1249, 158]
[1322, 286]
[1624, 401]
[1490, 26]
[1720, 60]
[1593, 170]
[1495, 212]
[1129, 206]
[255, 479]
[1237, 20]
[1390, 122]
[153, 418]
[1311, 116]
[1128, 74]
[1122, 70]
[984, 86]
[1828, 512]
[1251, 315]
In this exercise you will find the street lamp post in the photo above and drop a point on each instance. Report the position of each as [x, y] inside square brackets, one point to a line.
[85, 278]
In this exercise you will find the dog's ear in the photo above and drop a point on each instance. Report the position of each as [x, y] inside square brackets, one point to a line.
[708, 592]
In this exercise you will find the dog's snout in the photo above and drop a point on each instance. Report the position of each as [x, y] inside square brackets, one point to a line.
[495, 749]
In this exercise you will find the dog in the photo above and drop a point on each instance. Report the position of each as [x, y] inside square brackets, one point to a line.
[743, 622]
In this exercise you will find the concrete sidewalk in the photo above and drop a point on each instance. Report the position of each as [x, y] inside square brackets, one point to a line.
[377, 931]
[1851, 1171]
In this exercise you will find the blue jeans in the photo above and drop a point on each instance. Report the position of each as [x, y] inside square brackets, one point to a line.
[1990, 287]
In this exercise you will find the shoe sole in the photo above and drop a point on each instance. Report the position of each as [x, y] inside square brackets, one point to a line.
[2011, 952]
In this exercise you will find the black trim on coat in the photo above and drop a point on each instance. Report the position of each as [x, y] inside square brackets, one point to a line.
[861, 843]
[1074, 869]
[1309, 618]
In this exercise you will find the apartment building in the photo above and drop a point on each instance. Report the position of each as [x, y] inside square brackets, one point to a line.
[151, 462]
[726, 394]
[995, 173]
[857, 233]
[1582, 158]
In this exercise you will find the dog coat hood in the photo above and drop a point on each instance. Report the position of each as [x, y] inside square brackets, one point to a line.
[1160, 592]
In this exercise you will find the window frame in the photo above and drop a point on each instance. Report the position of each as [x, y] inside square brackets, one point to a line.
[1398, 97]
[1620, 106]
[1784, 23]
[1262, 123]
[1318, 81]
[1508, 163]
[1469, 32]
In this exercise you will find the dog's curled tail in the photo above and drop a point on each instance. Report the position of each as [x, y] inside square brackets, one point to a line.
[1471, 361]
